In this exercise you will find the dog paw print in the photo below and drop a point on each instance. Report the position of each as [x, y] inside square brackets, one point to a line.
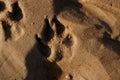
[54, 39]
[10, 21]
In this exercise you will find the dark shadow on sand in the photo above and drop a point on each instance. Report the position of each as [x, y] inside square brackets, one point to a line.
[39, 68]
[73, 8]
[111, 43]
[61, 5]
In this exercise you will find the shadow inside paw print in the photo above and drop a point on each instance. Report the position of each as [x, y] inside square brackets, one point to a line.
[47, 33]
[38, 67]
[7, 31]
[68, 41]
[44, 49]
[60, 27]
[2, 6]
[16, 14]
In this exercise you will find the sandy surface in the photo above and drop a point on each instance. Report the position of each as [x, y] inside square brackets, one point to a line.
[59, 40]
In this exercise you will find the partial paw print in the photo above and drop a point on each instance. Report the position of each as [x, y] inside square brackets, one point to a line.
[54, 40]
[10, 25]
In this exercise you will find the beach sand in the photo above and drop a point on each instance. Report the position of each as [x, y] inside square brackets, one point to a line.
[59, 40]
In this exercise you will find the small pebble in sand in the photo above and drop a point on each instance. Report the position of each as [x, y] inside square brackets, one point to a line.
[68, 77]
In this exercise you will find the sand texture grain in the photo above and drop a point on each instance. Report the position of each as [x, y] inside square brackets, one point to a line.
[59, 39]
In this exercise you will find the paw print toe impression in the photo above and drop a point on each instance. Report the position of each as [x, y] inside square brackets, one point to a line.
[16, 14]
[7, 31]
[2, 6]
[53, 40]
[11, 18]
[60, 27]
[47, 33]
